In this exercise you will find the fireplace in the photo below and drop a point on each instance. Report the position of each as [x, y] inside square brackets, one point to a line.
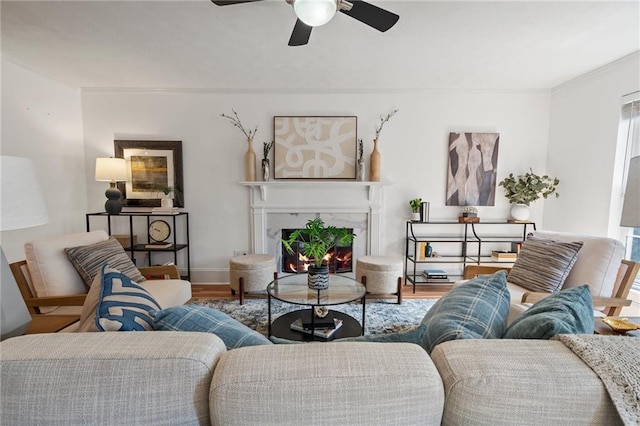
[339, 258]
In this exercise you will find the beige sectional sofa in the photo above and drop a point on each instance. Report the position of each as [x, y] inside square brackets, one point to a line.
[156, 378]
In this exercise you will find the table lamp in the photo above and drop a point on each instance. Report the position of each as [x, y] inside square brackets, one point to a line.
[22, 206]
[111, 170]
[631, 207]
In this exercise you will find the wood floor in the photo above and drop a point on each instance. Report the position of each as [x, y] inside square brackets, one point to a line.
[223, 291]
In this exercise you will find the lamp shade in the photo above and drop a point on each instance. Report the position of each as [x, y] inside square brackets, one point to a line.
[631, 207]
[315, 12]
[20, 194]
[111, 169]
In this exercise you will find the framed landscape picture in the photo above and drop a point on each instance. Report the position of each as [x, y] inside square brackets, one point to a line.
[315, 147]
[151, 165]
[473, 160]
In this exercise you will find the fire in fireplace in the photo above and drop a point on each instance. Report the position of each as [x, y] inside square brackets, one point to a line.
[339, 258]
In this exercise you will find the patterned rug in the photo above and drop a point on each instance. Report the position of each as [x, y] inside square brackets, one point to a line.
[381, 316]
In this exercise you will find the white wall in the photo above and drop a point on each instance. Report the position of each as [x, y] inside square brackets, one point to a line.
[582, 148]
[413, 146]
[42, 120]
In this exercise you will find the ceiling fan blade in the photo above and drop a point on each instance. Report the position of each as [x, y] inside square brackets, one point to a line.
[300, 35]
[228, 2]
[371, 15]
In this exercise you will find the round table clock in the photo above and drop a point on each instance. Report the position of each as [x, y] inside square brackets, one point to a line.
[159, 230]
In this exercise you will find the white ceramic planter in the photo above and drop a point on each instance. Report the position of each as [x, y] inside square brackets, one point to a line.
[520, 212]
[166, 202]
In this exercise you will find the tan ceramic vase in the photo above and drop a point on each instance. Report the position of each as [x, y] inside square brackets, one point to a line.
[250, 163]
[374, 163]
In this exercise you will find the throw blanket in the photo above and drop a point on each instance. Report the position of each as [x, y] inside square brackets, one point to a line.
[615, 359]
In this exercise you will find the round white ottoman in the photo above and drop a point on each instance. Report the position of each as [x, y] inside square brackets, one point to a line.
[251, 273]
[380, 275]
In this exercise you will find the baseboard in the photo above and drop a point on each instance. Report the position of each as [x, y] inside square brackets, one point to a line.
[209, 276]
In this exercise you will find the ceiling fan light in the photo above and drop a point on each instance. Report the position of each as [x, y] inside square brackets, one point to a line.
[315, 12]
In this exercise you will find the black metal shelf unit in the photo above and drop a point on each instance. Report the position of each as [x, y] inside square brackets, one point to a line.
[469, 245]
[176, 246]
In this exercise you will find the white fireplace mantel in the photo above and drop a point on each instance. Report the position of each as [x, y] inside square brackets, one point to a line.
[316, 197]
[263, 187]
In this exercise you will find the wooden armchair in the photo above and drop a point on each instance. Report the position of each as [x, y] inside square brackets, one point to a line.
[52, 287]
[609, 306]
[34, 303]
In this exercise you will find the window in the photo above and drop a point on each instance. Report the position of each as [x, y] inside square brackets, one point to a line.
[630, 138]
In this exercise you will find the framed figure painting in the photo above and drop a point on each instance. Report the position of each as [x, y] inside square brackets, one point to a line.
[473, 159]
[151, 165]
[322, 147]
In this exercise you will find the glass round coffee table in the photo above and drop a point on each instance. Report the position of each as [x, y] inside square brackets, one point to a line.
[293, 289]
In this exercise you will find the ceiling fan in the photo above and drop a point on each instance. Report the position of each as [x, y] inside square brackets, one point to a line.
[313, 13]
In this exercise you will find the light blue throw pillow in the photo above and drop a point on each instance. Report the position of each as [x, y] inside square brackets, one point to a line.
[569, 311]
[208, 320]
[122, 305]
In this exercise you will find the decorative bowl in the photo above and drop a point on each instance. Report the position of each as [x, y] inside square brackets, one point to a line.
[620, 325]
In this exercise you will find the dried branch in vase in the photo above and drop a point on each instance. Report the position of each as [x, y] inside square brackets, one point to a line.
[266, 148]
[235, 120]
[384, 120]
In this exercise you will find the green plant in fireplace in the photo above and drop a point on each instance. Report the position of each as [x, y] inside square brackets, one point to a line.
[317, 239]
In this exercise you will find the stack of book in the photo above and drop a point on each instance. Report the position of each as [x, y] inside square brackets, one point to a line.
[318, 331]
[435, 275]
[316, 321]
[158, 245]
[503, 256]
[164, 210]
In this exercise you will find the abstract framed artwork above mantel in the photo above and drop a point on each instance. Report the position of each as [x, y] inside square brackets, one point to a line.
[315, 147]
[150, 166]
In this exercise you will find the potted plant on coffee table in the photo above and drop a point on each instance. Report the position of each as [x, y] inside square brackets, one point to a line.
[317, 239]
[525, 189]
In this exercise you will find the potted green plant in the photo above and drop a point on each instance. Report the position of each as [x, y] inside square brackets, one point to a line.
[415, 208]
[523, 190]
[166, 202]
[317, 239]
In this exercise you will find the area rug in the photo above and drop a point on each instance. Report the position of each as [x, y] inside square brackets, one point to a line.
[381, 317]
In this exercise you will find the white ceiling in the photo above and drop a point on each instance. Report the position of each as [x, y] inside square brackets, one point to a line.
[493, 45]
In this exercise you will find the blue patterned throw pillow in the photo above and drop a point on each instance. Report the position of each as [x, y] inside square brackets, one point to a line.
[208, 320]
[476, 309]
[115, 303]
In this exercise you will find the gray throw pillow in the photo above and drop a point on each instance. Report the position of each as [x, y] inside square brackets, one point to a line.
[569, 311]
[207, 320]
[89, 260]
[544, 264]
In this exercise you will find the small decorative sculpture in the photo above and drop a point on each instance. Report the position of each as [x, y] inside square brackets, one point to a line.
[266, 148]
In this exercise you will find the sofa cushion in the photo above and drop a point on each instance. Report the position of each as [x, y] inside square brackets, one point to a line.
[543, 264]
[569, 311]
[476, 309]
[168, 293]
[204, 319]
[88, 260]
[108, 378]
[115, 303]
[507, 382]
[327, 384]
[597, 263]
[50, 271]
